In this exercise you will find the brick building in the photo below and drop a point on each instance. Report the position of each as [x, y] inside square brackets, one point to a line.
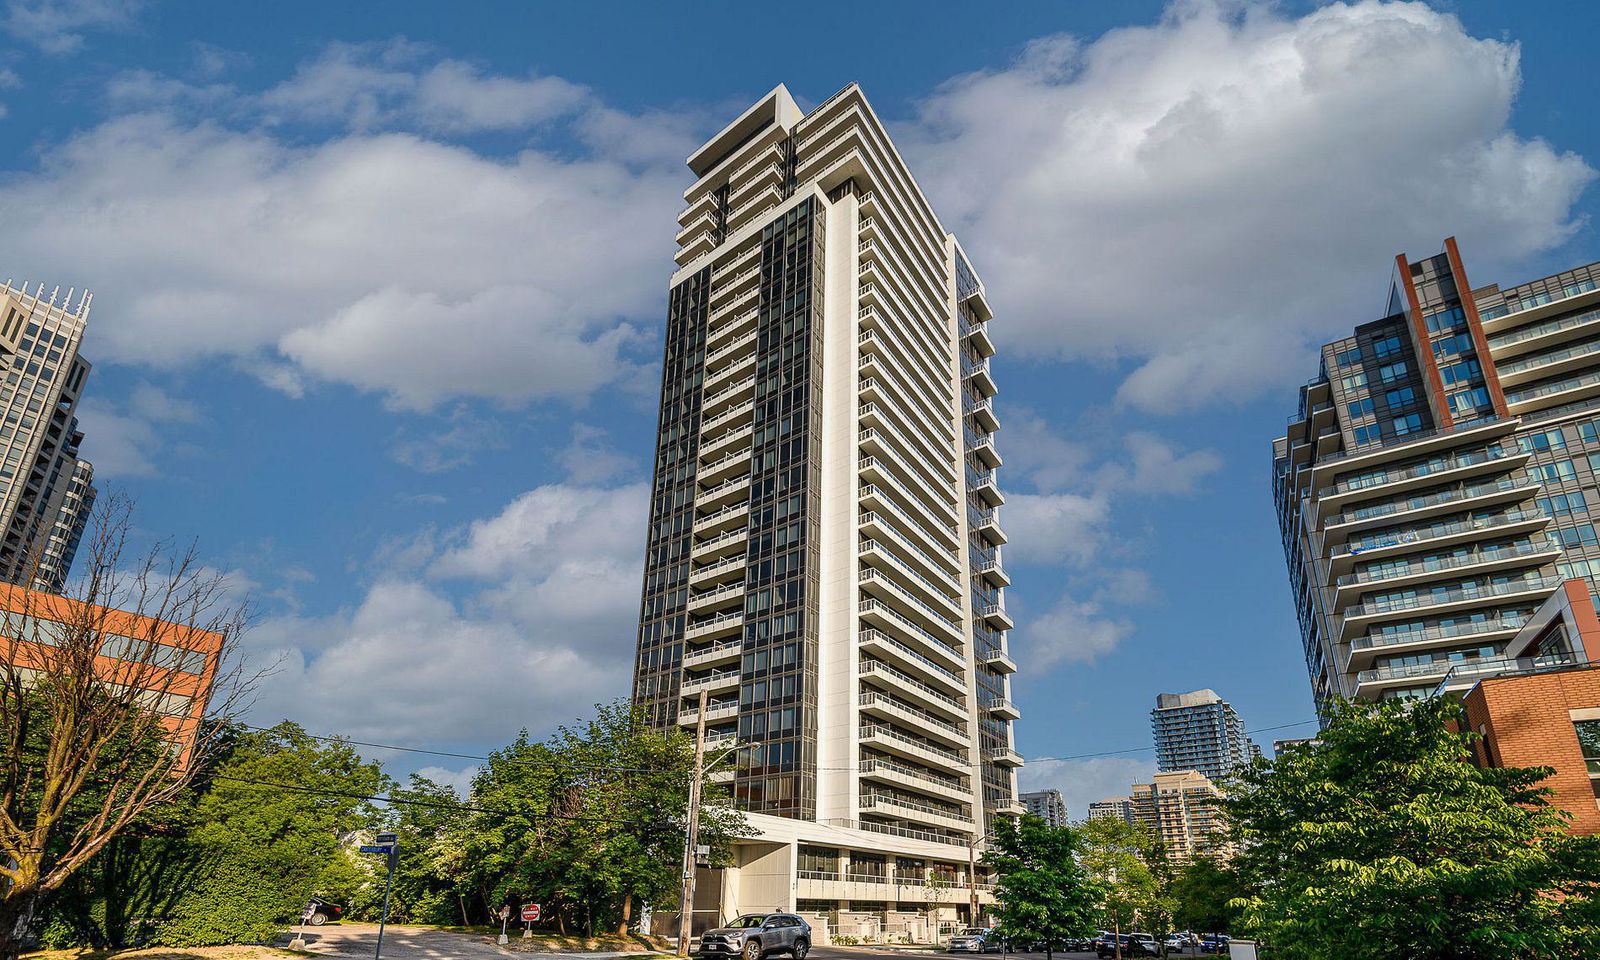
[1549, 715]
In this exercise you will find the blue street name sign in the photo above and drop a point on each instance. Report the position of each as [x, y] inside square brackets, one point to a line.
[387, 849]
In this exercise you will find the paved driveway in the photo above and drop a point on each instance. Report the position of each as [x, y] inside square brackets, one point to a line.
[416, 943]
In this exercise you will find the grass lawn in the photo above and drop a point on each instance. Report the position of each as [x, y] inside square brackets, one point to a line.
[239, 952]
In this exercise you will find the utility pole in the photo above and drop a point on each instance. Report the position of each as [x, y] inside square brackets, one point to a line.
[693, 838]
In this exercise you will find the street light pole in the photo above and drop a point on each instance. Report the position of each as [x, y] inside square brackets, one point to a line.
[972, 877]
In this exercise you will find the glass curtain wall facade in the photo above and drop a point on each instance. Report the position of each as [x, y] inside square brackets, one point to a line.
[824, 547]
[1436, 482]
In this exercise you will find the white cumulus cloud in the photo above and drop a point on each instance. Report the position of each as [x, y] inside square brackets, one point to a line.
[1208, 195]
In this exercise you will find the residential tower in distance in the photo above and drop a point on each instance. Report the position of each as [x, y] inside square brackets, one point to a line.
[1438, 481]
[1046, 805]
[1180, 808]
[46, 490]
[1120, 808]
[823, 565]
[1199, 731]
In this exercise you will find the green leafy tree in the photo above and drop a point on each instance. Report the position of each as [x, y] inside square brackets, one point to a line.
[1382, 843]
[1044, 891]
[428, 881]
[1114, 854]
[262, 850]
[1203, 889]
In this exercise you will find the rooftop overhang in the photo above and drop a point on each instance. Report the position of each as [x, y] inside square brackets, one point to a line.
[777, 107]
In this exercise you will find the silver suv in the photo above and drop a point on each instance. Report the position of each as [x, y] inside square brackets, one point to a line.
[755, 935]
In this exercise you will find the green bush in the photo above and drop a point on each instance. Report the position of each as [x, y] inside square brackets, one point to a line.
[233, 903]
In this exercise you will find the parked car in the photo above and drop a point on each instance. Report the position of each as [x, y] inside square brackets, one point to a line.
[1179, 942]
[1216, 943]
[319, 911]
[756, 935]
[976, 940]
[1133, 945]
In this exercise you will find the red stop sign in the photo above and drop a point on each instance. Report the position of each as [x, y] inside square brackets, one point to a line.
[530, 912]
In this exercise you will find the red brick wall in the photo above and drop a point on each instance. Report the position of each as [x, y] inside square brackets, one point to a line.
[1526, 723]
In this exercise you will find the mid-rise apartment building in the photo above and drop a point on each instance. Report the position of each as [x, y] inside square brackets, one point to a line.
[1180, 808]
[1438, 479]
[1119, 808]
[823, 560]
[1047, 805]
[46, 490]
[1200, 731]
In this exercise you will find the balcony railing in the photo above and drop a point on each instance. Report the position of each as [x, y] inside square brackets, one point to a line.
[921, 659]
[1586, 349]
[876, 699]
[873, 800]
[1360, 545]
[1542, 328]
[1548, 389]
[1530, 301]
[890, 733]
[1440, 465]
[1454, 630]
[1431, 500]
[869, 667]
[1435, 598]
[929, 776]
[1469, 559]
[709, 680]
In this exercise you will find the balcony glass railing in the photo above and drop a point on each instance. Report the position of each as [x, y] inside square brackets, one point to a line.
[1529, 301]
[1587, 348]
[1549, 389]
[1436, 465]
[1435, 598]
[1410, 439]
[1542, 328]
[1408, 504]
[1395, 538]
[1467, 669]
[1469, 559]
[1453, 631]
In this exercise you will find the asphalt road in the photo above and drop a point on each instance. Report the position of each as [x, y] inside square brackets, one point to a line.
[858, 953]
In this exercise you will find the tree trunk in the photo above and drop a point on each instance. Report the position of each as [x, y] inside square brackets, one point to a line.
[627, 915]
[16, 922]
[463, 901]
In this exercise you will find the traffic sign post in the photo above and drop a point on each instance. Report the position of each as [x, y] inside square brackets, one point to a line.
[505, 914]
[387, 844]
[530, 915]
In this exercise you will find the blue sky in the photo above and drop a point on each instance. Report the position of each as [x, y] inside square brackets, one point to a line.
[378, 297]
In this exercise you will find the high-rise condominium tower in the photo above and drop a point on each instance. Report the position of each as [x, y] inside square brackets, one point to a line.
[1181, 809]
[1047, 805]
[1438, 480]
[823, 555]
[46, 491]
[1199, 731]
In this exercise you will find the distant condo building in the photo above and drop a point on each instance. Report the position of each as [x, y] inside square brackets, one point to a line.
[1199, 731]
[1120, 808]
[1046, 805]
[46, 491]
[1181, 809]
[1438, 481]
[823, 556]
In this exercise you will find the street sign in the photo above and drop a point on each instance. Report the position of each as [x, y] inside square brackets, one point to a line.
[387, 848]
[530, 912]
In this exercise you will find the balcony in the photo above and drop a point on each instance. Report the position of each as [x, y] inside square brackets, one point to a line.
[1430, 473]
[728, 651]
[727, 419]
[1002, 756]
[1476, 561]
[720, 625]
[728, 491]
[982, 414]
[935, 592]
[1002, 709]
[1465, 673]
[986, 522]
[1524, 309]
[1391, 542]
[1580, 387]
[710, 683]
[902, 775]
[882, 487]
[995, 614]
[976, 337]
[1330, 464]
[877, 530]
[885, 707]
[886, 618]
[878, 671]
[723, 596]
[996, 659]
[889, 740]
[725, 467]
[876, 583]
[919, 812]
[977, 373]
[983, 485]
[715, 712]
[720, 521]
[726, 443]
[986, 563]
[722, 545]
[1364, 649]
[980, 446]
[1475, 496]
[1585, 353]
[1545, 335]
[1358, 618]
[743, 364]
[721, 571]
[725, 356]
[739, 390]
[726, 330]
[908, 658]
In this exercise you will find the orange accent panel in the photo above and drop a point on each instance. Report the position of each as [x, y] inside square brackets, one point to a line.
[1491, 376]
[1584, 620]
[1419, 342]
